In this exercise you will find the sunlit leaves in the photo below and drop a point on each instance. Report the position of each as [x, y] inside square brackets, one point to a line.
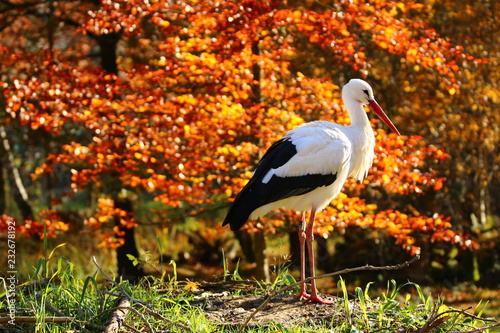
[204, 88]
[106, 211]
[399, 161]
[48, 225]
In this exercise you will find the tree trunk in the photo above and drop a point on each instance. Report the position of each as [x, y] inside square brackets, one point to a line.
[107, 45]
[259, 238]
[2, 190]
[257, 75]
[293, 238]
[246, 244]
[322, 254]
[253, 247]
[19, 193]
[262, 264]
[126, 268]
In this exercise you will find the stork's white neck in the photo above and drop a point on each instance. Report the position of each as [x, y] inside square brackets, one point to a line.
[356, 112]
[362, 138]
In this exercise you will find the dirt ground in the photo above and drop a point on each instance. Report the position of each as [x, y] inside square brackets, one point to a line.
[219, 304]
[231, 303]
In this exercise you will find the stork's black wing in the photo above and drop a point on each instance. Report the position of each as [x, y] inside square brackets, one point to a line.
[256, 193]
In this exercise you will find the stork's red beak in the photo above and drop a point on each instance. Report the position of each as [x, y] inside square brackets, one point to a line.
[379, 112]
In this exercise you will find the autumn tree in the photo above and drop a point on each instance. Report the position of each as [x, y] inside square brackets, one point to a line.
[462, 120]
[179, 101]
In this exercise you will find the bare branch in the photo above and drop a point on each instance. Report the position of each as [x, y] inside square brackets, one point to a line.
[33, 319]
[118, 316]
[477, 330]
[19, 192]
[344, 271]
[144, 305]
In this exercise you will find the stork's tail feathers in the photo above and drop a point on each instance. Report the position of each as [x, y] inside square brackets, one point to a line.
[241, 209]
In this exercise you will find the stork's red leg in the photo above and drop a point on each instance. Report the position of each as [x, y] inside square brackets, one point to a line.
[309, 240]
[302, 240]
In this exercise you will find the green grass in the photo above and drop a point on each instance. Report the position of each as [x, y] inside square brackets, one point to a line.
[55, 292]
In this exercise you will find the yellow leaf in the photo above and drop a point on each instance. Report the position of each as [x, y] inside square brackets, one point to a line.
[345, 32]
[191, 286]
[162, 61]
[383, 44]
[386, 178]
[95, 102]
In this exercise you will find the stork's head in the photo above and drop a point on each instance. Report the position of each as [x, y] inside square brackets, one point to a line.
[361, 92]
[358, 90]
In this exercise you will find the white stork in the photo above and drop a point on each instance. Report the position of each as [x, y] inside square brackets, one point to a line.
[307, 168]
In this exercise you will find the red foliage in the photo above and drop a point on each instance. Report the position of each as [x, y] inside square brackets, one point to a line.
[187, 116]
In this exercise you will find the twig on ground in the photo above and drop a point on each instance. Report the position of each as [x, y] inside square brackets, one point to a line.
[465, 313]
[59, 314]
[344, 271]
[143, 304]
[118, 316]
[117, 285]
[470, 315]
[30, 319]
[38, 284]
[127, 297]
[48, 306]
[478, 330]
[437, 319]
[231, 283]
[159, 316]
[134, 300]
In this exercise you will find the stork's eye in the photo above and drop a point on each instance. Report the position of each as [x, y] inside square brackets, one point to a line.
[366, 92]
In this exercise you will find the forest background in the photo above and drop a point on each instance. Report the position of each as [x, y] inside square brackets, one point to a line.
[128, 127]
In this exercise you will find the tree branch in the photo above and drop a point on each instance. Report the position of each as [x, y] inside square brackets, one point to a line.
[19, 192]
[118, 316]
[147, 307]
[344, 271]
